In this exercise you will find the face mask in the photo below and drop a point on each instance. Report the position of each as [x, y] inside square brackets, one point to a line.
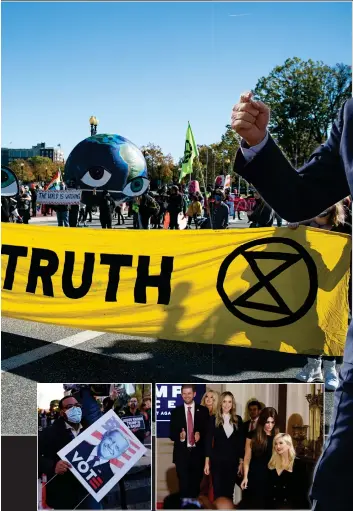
[74, 415]
[218, 198]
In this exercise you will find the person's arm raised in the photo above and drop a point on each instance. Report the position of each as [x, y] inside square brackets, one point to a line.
[295, 195]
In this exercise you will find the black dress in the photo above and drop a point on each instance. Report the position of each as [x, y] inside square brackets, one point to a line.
[224, 453]
[256, 494]
[289, 490]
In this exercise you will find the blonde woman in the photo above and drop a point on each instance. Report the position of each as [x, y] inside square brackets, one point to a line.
[288, 485]
[224, 447]
[332, 219]
[210, 400]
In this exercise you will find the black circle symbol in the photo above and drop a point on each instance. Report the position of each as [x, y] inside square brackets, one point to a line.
[265, 281]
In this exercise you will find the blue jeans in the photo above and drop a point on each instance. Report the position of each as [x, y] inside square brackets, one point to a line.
[332, 487]
[63, 218]
[90, 503]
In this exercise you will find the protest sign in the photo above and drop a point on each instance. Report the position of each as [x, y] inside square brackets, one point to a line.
[274, 289]
[103, 454]
[134, 422]
[61, 197]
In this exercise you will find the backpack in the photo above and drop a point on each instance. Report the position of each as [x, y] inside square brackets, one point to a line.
[151, 205]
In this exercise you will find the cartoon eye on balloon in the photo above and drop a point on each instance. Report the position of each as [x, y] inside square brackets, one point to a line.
[96, 177]
[136, 187]
[9, 183]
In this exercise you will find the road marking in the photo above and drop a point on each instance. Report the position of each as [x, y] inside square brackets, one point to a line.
[46, 351]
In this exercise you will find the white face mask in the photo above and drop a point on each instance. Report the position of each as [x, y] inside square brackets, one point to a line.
[74, 414]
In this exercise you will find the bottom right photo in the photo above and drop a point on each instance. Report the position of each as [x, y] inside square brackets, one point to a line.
[237, 445]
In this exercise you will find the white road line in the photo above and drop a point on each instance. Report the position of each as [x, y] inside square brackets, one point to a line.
[45, 351]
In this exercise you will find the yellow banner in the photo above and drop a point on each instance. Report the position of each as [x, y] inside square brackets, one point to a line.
[274, 289]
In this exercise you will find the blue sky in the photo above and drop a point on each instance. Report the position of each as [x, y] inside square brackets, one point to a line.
[146, 69]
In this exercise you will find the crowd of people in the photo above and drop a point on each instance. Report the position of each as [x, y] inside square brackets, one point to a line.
[223, 462]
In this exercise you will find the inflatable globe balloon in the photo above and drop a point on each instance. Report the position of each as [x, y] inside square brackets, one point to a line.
[9, 183]
[107, 162]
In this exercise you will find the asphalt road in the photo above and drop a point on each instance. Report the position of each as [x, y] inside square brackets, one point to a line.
[34, 352]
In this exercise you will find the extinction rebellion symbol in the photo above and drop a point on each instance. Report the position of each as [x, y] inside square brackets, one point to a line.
[265, 281]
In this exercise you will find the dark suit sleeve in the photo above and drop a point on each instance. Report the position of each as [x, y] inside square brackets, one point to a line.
[46, 458]
[303, 194]
[174, 431]
[241, 441]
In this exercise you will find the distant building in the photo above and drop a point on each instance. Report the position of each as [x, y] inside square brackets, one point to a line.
[8, 155]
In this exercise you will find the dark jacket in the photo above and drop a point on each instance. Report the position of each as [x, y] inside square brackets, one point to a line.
[175, 203]
[106, 206]
[64, 491]
[290, 489]
[298, 195]
[5, 209]
[221, 448]
[220, 216]
[178, 422]
[262, 215]
[103, 471]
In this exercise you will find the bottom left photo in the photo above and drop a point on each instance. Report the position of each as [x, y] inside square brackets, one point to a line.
[94, 446]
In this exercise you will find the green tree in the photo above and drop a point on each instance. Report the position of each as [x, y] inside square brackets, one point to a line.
[42, 168]
[23, 170]
[304, 98]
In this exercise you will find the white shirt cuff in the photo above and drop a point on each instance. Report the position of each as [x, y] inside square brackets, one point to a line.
[249, 153]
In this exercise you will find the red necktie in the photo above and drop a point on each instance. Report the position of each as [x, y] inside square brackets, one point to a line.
[252, 426]
[191, 438]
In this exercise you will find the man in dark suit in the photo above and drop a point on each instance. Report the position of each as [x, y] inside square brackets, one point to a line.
[92, 461]
[63, 490]
[300, 195]
[188, 427]
[254, 409]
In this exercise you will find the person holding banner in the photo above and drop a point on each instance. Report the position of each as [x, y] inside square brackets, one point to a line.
[188, 429]
[63, 490]
[262, 215]
[330, 171]
[224, 447]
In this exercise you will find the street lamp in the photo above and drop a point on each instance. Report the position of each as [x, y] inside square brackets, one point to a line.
[93, 121]
[46, 173]
[22, 165]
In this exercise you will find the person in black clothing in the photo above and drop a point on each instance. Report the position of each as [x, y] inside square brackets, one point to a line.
[63, 490]
[288, 481]
[23, 205]
[225, 447]
[262, 215]
[131, 410]
[188, 429]
[34, 201]
[148, 207]
[119, 214]
[105, 210]
[254, 409]
[218, 211]
[258, 452]
[175, 206]
[5, 209]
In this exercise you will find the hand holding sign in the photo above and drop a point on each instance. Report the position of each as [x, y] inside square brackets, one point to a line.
[183, 435]
[61, 467]
[250, 119]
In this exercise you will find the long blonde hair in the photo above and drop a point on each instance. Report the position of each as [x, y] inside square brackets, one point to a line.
[276, 461]
[232, 412]
[215, 395]
[336, 214]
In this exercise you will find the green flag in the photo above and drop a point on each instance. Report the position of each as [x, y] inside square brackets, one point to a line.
[189, 153]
